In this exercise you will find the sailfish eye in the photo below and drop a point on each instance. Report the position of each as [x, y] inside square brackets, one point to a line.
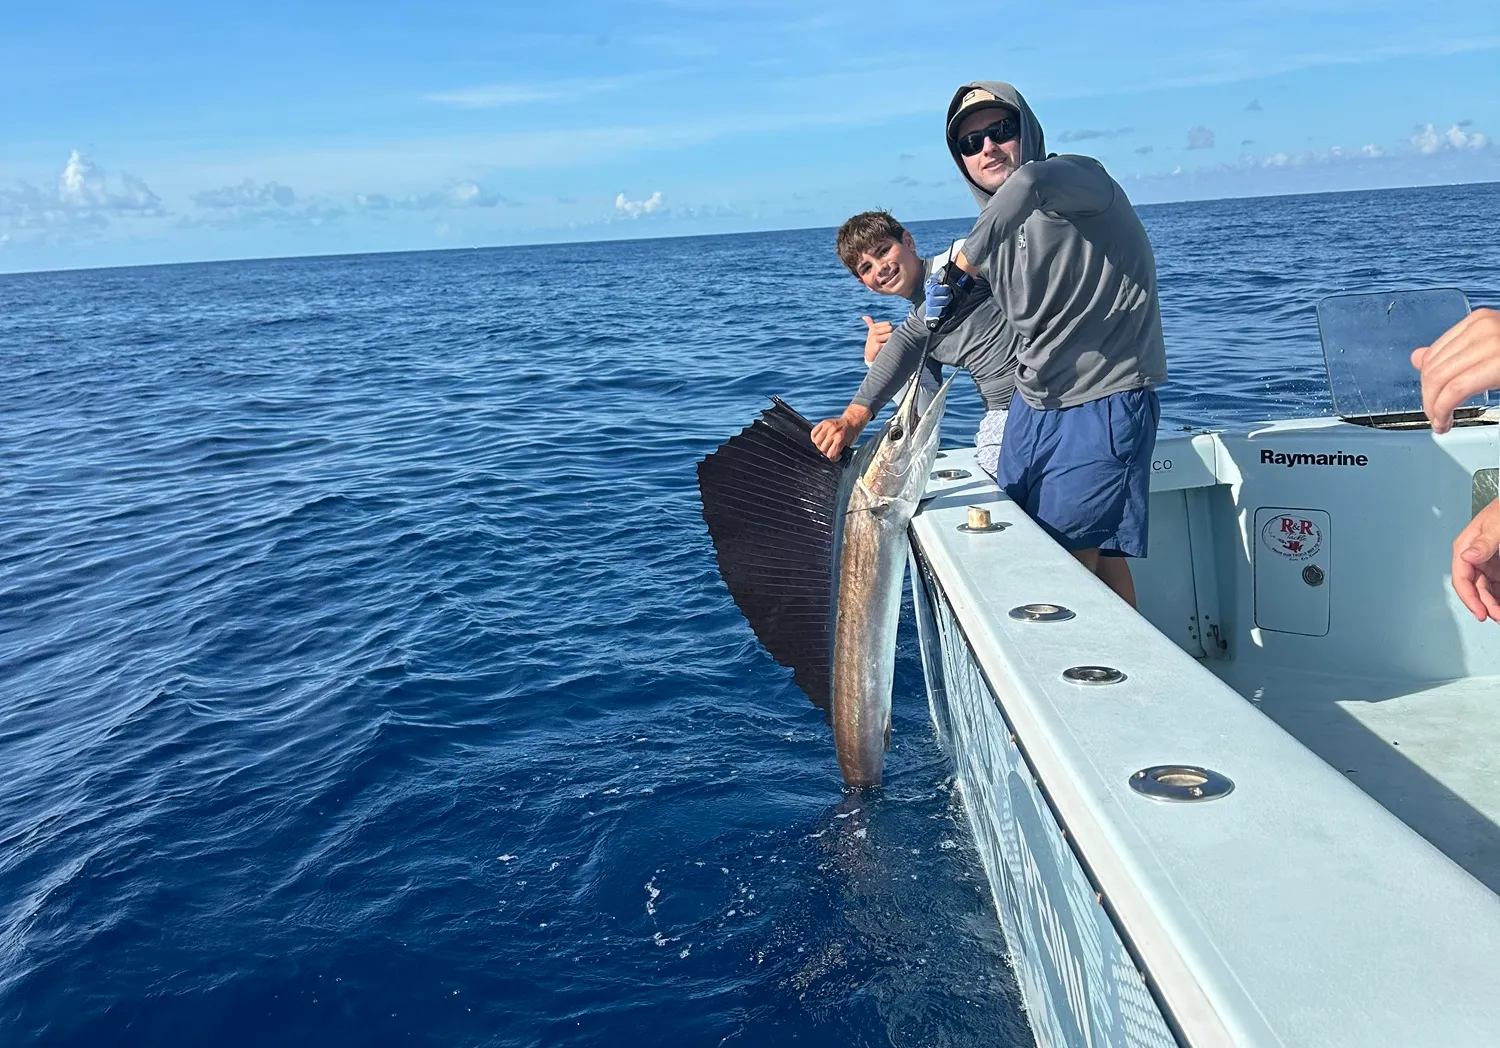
[897, 433]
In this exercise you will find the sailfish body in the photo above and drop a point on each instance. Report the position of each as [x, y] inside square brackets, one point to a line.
[814, 554]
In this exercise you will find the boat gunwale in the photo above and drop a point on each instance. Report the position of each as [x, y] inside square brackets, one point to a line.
[1155, 934]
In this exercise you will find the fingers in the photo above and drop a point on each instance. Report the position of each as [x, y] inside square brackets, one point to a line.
[869, 323]
[828, 437]
[1465, 577]
[1480, 538]
[1463, 362]
[876, 337]
[820, 434]
[1489, 593]
[1454, 372]
[1425, 359]
[1457, 330]
[1479, 592]
[1449, 380]
[1475, 568]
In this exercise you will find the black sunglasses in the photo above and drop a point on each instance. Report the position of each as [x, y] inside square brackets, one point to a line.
[1000, 132]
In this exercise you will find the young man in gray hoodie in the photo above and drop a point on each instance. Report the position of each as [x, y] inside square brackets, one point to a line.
[1069, 264]
[975, 336]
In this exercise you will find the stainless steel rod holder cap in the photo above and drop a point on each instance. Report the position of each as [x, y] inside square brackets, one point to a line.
[1041, 613]
[1180, 782]
[1092, 675]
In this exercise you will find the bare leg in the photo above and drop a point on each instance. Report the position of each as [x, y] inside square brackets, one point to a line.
[1114, 572]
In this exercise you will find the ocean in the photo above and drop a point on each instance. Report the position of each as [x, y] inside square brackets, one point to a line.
[367, 675]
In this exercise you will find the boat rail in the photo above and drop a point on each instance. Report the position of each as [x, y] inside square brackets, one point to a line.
[1292, 910]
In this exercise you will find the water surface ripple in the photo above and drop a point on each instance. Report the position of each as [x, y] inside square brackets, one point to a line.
[368, 676]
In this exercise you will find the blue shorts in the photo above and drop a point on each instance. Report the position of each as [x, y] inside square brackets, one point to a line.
[1084, 473]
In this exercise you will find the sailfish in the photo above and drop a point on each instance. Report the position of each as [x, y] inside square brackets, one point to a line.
[813, 552]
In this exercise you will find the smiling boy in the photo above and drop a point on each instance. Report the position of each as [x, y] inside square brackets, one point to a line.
[882, 255]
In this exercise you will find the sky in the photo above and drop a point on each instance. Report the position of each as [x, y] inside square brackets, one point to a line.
[164, 131]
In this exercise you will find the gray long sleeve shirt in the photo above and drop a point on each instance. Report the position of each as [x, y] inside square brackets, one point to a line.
[982, 343]
[1071, 269]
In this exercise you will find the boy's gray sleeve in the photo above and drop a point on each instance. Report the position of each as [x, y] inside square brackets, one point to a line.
[1071, 186]
[895, 363]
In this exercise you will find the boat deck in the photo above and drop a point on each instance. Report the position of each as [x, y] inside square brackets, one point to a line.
[1346, 891]
[1428, 752]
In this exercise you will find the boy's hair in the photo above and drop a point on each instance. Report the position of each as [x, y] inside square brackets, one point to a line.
[862, 232]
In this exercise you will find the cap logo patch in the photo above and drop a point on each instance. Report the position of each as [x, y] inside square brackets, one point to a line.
[979, 94]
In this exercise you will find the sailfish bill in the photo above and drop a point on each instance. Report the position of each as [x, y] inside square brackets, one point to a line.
[814, 554]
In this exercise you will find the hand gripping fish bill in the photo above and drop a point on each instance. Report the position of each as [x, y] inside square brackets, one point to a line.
[814, 555]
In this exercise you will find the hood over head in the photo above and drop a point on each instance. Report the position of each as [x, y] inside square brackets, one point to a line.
[983, 94]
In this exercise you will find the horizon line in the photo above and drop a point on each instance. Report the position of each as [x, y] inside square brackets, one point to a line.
[670, 236]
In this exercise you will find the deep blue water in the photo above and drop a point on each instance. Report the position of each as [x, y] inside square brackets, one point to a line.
[367, 676]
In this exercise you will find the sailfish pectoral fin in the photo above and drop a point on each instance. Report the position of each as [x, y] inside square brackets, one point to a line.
[771, 503]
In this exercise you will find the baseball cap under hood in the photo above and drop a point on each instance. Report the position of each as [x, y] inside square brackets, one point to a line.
[984, 94]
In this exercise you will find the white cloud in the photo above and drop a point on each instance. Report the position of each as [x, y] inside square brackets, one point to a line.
[469, 194]
[247, 194]
[250, 203]
[1428, 140]
[459, 194]
[84, 186]
[86, 198]
[636, 208]
[494, 96]
[1369, 164]
[1461, 139]
[26, 200]
[1320, 170]
[1086, 134]
[712, 211]
[1200, 137]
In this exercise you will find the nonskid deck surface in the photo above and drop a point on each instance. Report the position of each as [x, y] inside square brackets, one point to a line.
[1428, 752]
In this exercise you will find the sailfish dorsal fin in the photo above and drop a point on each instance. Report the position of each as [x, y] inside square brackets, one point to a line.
[771, 502]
